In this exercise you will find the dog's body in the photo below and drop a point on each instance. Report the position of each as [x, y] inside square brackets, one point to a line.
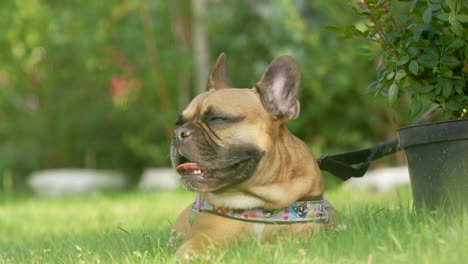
[232, 147]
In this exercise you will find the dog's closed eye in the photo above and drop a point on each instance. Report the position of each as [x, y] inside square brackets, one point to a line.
[214, 116]
[217, 119]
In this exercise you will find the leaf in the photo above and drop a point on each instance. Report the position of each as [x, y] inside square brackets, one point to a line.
[462, 18]
[334, 29]
[453, 106]
[438, 89]
[400, 74]
[456, 44]
[392, 94]
[436, 7]
[417, 33]
[413, 52]
[410, 89]
[413, 5]
[429, 59]
[378, 88]
[447, 114]
[351, 30]
[427, 16]
[416, 107]
[401, 84]
[390, 76]
[441, 99]
[449, 3]
[343, 37]
[432, 51]
[459, 97]
[372, 87]
[402, 60]
[413, 67]
[450, 61]
[444, 17]
[445, 85]
[363, 50]
[403, 18]
[384, 72]
[427, 88]
[458, 86]
[448, 74]
[457, 28]
[447, 39]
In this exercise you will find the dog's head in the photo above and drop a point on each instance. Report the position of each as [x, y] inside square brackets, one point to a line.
[222, 137]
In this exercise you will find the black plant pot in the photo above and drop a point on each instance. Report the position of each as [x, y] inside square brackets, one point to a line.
[437, 156]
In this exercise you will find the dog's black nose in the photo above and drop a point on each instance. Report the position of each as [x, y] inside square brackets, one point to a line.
[183, 132]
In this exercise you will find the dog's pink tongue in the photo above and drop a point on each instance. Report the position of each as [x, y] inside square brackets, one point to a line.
[189, 166]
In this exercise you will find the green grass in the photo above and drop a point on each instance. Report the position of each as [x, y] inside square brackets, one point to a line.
[134, 228]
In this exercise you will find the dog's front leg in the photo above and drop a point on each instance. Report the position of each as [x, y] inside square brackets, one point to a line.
[181, 228]
[211, 230]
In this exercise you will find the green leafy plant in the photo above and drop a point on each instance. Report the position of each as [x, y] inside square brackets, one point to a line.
[422, 50]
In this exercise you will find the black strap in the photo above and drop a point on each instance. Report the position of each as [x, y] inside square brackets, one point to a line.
[355, 163]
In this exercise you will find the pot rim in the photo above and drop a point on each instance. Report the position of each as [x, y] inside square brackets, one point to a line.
[433, 123]
[434, 132]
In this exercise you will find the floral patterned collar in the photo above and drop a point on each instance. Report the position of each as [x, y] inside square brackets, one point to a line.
[310, 209]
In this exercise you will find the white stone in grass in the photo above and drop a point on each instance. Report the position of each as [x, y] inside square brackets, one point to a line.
[59, 182]
[159, 179]
[381, 180]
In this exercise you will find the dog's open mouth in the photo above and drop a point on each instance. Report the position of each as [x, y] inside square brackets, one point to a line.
[217, 172]
[197, 178]
[191, 168]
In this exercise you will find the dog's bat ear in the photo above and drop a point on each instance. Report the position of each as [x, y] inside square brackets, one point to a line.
[279, 87]
[219, 77]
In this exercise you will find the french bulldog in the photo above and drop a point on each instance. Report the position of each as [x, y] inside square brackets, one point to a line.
[232, 147]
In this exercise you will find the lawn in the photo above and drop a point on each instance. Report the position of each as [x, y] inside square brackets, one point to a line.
[134, 227]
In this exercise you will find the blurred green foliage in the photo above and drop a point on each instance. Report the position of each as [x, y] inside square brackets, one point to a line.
[97, 83]
[423, 51]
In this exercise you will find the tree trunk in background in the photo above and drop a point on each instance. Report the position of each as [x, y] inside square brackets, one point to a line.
[182, 30]
[200, 45]
[153, 55]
